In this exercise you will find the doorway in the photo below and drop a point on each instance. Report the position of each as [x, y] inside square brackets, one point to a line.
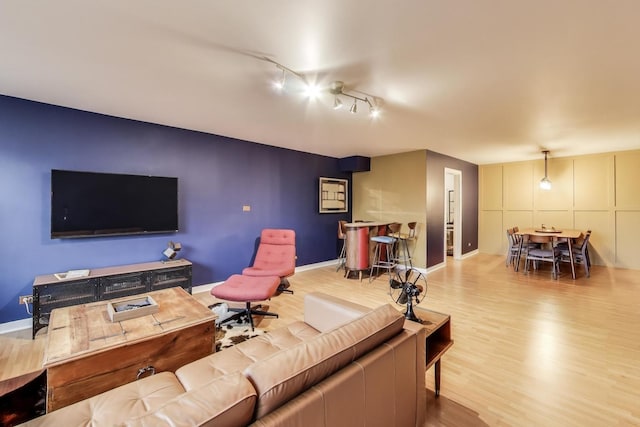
[452, 213]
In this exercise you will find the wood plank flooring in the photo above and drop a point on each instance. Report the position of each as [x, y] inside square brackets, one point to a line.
[529, 350]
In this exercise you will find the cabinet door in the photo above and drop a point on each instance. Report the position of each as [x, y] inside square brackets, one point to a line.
[122, 285]
[170, 277]
[48, 297]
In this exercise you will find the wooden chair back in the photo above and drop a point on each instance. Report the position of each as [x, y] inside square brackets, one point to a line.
[342, 229]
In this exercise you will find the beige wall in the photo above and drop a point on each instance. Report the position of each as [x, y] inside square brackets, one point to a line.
[395, 190]
[598, 192]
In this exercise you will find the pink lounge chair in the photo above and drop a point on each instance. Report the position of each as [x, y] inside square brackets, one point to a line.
[275, 261]
[276, 256]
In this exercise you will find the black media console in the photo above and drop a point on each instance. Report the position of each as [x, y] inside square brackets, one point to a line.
[49, 292]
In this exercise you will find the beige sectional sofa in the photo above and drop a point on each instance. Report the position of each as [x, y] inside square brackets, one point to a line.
[345, 365]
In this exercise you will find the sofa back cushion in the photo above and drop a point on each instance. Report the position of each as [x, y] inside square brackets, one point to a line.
[285, 374]
[325, 312]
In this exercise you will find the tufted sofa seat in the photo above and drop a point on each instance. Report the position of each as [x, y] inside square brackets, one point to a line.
[344, 365]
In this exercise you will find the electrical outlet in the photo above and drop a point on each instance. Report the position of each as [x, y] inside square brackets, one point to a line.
[25, 299]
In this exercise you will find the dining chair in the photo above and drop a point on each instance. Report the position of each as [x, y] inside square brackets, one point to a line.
[547, 252]
[580, 250]
[513, 241]
[521, 249]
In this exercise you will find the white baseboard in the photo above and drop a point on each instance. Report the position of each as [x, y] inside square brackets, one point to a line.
[444, 263]
[436, 267]
[16, 325]
[204, 288]
[470, 254]
[316, 265]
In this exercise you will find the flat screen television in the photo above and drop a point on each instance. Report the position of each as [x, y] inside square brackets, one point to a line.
[91, 204]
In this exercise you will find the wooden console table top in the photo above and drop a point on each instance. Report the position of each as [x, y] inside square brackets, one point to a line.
[46, 279]
[81, 329]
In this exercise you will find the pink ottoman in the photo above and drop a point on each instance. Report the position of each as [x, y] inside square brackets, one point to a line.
[247, 289]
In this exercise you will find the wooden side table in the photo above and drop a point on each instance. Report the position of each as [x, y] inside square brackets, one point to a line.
[438, 327]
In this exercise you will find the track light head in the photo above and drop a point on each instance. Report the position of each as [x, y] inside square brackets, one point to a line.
[354, 107]
[336, 87]
[279, 84]
[374, 112]
[337, 103]
[312, 91]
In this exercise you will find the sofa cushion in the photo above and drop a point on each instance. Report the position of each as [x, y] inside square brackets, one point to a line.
[116, 405]
[238, 357]
[283, 375]
[225, 401]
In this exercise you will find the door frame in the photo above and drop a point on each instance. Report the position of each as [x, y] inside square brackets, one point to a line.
[457, 217]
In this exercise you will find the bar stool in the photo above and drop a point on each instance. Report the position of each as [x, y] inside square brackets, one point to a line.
[387, 259]
[404, 255]
[342, 235]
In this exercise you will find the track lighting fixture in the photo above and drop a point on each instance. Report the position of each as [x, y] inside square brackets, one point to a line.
[336, 88]
[545, 183]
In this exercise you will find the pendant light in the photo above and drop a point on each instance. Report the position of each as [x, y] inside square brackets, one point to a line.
[545, 183]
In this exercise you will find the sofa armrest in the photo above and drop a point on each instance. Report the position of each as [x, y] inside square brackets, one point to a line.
[325, 312]
[384, 387]
[285, 374]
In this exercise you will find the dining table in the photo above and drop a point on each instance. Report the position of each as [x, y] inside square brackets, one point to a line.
[567, 235]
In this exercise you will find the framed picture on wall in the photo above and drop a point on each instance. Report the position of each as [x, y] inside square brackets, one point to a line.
[334, 196]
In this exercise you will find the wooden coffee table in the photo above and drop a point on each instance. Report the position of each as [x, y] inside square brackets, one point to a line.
[438, 327]
[87, 354]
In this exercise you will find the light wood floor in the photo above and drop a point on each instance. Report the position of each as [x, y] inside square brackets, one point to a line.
[528, 351]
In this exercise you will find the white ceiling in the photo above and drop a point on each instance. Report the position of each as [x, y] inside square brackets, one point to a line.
[486, 81]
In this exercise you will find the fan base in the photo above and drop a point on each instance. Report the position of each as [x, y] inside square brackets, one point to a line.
[410, 315]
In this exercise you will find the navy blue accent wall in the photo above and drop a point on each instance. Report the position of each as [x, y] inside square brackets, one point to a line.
[436, 164]
[216, 177]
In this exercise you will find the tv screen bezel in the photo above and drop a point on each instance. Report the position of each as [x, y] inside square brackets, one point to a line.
[79, 234]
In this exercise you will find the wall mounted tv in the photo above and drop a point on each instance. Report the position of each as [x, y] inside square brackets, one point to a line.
[91, 204]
